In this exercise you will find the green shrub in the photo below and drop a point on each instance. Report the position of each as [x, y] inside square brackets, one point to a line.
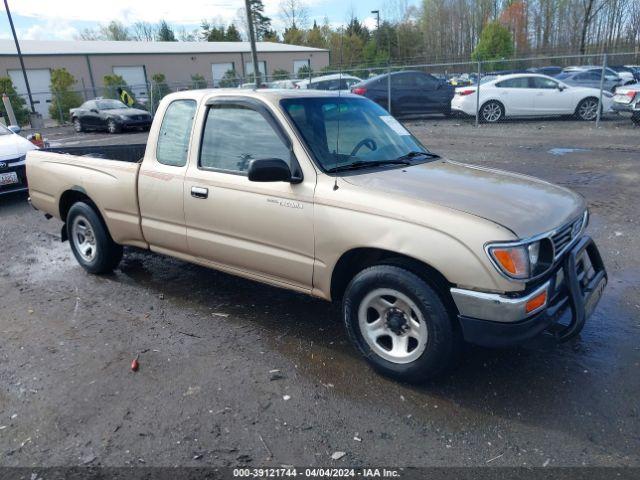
[18, 103]
[62, 97]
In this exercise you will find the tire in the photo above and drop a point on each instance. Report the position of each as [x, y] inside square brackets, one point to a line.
[411, 347]
[112, 126]
[77, 125]
[491, 112]
[90, 240]
[635, 118]
[587, 109]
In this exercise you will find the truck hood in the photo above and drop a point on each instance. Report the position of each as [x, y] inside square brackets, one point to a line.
[525, 205]
[13, 146]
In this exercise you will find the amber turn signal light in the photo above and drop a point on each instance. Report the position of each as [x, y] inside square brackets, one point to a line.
[536, 302]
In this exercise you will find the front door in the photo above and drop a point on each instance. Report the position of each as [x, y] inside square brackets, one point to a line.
[549, 99]
[262, 229]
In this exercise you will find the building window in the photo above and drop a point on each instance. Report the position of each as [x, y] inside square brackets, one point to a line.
[298, 64]
[262, 67]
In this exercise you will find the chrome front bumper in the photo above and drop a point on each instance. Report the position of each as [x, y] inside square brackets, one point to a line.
[575, 286]
[496, 307]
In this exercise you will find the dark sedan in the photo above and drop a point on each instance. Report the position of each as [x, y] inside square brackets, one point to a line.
[412, 92]
[110, 115]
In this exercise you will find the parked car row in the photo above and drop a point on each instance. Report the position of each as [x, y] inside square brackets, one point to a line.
[522, 95]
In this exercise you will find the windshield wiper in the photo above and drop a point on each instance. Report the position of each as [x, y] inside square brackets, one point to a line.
[416, 153]
[368, 164]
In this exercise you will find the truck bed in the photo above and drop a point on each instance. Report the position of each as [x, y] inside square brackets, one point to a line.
[107, 175]
[124, 153]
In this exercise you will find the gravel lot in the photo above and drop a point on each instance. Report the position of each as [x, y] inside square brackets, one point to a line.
[205, 393]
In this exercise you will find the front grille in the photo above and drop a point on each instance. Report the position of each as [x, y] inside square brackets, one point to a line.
[565, 235]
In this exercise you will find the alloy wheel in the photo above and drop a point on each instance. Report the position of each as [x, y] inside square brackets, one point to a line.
[588, 109]
[491, 112]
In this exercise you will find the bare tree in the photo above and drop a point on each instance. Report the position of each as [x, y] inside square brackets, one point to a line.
[294, 13]
[143, 31]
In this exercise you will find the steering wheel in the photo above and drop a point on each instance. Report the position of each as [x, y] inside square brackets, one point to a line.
[370, 143]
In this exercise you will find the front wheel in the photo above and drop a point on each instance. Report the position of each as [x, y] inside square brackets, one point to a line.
[399, 324]
[587, 109]
[77, 125]
[90, 240]
[112, 126]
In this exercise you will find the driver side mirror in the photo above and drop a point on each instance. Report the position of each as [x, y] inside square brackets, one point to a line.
[269, 170]
[94, 110]
[14, 128]
[562, 88]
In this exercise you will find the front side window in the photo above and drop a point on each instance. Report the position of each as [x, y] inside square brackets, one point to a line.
[175, 133]
[344, 131]
[236, 134]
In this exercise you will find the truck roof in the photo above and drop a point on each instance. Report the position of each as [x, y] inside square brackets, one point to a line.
[269, 95]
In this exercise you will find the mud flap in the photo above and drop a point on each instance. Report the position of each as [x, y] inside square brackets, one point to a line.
[63, 233]
[584, 292]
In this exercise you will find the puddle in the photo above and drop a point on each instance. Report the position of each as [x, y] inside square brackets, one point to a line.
[558, 152]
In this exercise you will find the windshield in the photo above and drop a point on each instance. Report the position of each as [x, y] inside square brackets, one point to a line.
[349, 131]
[110, 104]
[4, 130]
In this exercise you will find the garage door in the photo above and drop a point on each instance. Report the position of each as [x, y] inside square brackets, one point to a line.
[39, 82]
[218, 70]
[136, 78]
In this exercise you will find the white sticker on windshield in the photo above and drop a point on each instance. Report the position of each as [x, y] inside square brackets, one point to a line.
[395, 125]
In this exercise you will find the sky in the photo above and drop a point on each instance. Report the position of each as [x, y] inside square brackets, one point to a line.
[64, 19]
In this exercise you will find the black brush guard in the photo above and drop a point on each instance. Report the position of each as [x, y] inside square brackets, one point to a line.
[580, 292]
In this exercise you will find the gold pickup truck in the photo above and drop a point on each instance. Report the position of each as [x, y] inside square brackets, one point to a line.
[329, 195]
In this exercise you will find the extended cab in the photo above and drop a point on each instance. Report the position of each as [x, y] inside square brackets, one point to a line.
[329, 195]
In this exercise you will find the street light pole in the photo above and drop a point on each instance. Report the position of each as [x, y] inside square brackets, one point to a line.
[252, 40]
[24, 72]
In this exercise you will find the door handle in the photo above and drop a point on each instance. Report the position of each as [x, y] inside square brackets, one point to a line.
[199, 192]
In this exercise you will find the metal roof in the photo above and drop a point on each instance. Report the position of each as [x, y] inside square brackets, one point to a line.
[101, 47]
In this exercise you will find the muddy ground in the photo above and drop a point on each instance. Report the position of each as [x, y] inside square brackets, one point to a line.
[205, 394]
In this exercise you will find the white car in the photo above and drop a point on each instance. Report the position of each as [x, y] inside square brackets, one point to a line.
[13, 149]
[336, 82]
[529, 95]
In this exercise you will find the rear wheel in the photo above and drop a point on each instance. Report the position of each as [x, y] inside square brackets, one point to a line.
[399, 324]
[587, 109]
[90, 240]
[491, 112]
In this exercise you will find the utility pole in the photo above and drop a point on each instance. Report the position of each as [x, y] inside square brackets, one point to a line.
[24, 72]
[252, 40]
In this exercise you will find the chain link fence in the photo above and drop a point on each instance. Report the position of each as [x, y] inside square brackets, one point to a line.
[582, 87]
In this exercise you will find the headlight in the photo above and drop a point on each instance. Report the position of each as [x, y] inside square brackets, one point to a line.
[522, 260]
[124, 117]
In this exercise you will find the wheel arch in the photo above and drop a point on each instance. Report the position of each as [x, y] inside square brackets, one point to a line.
[74, 195]
[355, 260]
